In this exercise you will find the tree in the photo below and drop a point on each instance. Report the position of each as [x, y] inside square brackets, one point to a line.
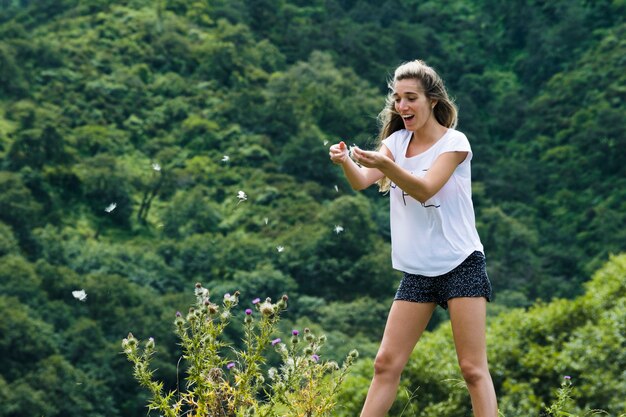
[305, 157]
[25, 339]
[317, 93]
[106, 189]
[18, 208]
[12, 82]
[509, 244]
[36, 148]
[191, 212]
[8, 243]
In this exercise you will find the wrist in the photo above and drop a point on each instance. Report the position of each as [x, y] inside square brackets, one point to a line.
[385, 165]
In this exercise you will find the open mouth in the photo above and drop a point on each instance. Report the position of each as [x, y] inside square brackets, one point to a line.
[407, 117]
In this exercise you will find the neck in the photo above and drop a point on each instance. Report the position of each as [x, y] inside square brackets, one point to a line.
[431, 132]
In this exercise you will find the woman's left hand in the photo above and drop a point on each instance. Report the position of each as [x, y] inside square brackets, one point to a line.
[368, 159]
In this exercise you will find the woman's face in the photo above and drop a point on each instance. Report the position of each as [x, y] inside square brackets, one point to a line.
[412, 104]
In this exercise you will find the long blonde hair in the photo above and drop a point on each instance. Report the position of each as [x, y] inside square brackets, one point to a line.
[445, 110]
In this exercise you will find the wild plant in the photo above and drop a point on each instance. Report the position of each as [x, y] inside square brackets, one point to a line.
[225, 381]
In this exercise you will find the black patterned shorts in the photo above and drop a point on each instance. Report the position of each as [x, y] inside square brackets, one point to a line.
[469, 279]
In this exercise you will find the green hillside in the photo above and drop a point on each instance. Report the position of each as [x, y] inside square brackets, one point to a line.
[147, 145]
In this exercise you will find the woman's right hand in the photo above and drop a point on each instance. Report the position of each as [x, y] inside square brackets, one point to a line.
[338, 153]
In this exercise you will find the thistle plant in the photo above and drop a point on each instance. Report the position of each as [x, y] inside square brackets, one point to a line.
[223, 381]
[563, 397]
[305, 386]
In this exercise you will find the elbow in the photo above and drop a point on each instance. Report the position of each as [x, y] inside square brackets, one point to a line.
[422, 191]
[359, 185]
[423, 196]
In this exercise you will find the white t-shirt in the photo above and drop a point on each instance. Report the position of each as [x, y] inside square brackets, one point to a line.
[434, 237]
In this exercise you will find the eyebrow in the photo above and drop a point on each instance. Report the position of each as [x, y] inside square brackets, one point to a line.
[408, 93]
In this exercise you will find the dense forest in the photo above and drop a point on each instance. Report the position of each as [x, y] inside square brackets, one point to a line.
[146, 145]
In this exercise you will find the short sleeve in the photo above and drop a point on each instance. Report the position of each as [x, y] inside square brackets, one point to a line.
[394, 142]
[457, 142]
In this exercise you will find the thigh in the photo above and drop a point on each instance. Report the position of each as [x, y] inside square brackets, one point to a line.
[406, 322]
[468, 319]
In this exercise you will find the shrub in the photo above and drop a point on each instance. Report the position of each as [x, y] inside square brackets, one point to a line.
[226, 381]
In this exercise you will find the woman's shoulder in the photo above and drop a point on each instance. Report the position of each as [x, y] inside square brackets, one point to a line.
[455, 134]
[399, 135]
[454, 140]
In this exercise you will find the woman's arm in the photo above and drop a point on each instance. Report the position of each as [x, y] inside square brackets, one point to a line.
[420, 189]
[359, 177]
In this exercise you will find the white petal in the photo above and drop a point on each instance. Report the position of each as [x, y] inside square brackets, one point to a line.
[80, 295]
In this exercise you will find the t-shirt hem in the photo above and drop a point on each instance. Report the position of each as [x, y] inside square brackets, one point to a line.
[436, 273]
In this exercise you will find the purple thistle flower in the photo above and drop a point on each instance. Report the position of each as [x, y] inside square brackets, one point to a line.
[178, 314]
[256, 301]
[248, 311]
[275, 342]
[315, 358]
[567, 377]
[230, 365]
[295, 332]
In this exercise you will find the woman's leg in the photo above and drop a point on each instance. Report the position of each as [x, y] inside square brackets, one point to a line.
[405, 324]
[468, 318]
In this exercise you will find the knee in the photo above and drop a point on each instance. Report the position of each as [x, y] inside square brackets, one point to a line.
[386, 363]
[472, 372]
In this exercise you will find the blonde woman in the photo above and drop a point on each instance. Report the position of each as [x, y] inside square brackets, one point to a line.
[424, 163]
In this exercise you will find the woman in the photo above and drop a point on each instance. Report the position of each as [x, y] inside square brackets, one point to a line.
[425, 164]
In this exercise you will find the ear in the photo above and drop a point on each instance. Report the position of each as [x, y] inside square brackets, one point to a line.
[433, 103]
